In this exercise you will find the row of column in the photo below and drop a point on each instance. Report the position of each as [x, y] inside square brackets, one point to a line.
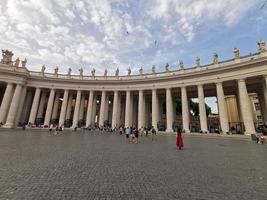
[12, 97]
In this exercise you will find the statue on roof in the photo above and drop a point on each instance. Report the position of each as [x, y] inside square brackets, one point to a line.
[181, 64]
[93, 72]
[23, 63]
[153, 69]
[197, 61]
[17, 62]
[106, 72]
[141, 71]
[129, 71]
[215, 58]
[43, 69]
[236, 53]
[56, 71]
[81, 72]
[167, 67]
[69, 71]
[7, 57]
[117, 72]
[261, 45]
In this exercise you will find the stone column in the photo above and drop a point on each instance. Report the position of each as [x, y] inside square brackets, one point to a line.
[169, 110]
[24, 103]
[40, 112]
[115, 110]
[35, 104]
[76, 109]
[13, 107]
[102, 109]
[90, 109]
[222, 108]
[141, 109]
[106, 108]
[49, 107]
[128, 108]
[245, 107]
[63, 108]
[81, 113]
[6, 102]
[202, 109]
[185, 110]
[69, 106]
[264, 109]
[55, 108]
[155, 109]
[93, 121]
[119, 121]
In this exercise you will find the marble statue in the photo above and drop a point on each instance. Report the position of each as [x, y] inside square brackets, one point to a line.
[215, 58]
[105, 72]
[56, 71]
[261, 45]
[7, 57]
[197, 61]
[93, 72]
[129, 71]
[81, 72]
[236, 53]
[141, 71]
[167, 67]
[153, 69]
[181, 64]
[17, 62]
[69, 72]
[23, 63]
[117, 72]
[43, 69]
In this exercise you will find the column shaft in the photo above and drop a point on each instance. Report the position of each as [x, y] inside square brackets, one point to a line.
[202, 109]
[76, 109]
[102, 109]
[127, 108]
[89, 114]
[155, 109]
[49, 107]
[115, 110]
[23, 104]
[6, 103]
[245, 106]
[94, 110]
[222, 108]
[55, 108]
[69, 107]
[185, 110]
[169, 110]
[63, 108]
[40, 112]
[81, 113]
[35, 104]
[13, 107]
[141, 109]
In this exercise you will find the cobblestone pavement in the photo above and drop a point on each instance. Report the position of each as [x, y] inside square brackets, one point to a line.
[103, 166]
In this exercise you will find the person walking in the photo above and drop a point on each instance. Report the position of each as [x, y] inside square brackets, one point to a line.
[50, 129]
[136, 135]
[127, 134]
[179, 139]
[153, 133]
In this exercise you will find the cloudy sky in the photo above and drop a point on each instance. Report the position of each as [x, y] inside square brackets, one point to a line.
[128, 33]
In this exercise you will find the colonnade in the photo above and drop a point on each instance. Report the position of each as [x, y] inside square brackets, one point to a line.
[51, 108]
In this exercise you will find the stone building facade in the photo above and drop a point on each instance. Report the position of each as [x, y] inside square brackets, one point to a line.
[40, 98]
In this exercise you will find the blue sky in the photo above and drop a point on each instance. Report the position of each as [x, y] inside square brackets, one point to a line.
[93, 33]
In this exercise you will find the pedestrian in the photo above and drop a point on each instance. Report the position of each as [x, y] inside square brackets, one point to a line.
[121, 130]
[179, 139]
[153, 133]
[136, 135]
[141, 130]
[50, 129]
[146, 131]
[127, 134]
[56, 129]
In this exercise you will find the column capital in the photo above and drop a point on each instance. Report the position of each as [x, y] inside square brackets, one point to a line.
[241, 80]
[219, 83]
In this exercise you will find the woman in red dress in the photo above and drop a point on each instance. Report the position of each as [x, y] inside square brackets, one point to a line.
[179, 139]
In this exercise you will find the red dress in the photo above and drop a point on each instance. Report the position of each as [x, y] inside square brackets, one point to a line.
[179, 140]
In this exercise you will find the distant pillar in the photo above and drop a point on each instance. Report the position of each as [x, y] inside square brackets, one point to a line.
[169, 110]
[6, 103]
[155, 109]
[89, 114]
[141, 109]
[35, 104]
[202, 109]
[128, 109]
[55, 108]
[185, 110]
[76, 109]
[49, 107]
[63, 108]
[115, 110]
[102, 109]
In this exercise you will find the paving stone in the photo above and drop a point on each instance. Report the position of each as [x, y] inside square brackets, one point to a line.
[93, 165]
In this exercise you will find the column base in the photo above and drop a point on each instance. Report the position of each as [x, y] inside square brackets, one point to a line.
[169, 131]
[8, 126]
[187, 131]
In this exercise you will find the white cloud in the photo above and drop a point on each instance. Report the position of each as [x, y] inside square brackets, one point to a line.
[93, 33]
